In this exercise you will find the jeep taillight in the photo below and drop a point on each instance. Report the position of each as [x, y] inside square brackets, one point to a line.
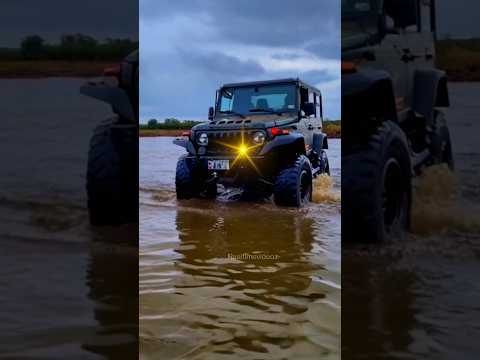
[277, 131]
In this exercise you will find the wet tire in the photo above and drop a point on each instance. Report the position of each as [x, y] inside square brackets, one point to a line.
[189, 185]
[112, 174]
[447, 157]
[325, 165]
[376, 188]
[445, 152]
[184, 180]
[293, 185]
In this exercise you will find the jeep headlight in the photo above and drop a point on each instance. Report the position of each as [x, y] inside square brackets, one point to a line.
[202, 139]
[258, 137]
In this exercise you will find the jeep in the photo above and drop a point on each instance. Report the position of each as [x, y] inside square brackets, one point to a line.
[112, 169]
[264, 137]
[392, 95]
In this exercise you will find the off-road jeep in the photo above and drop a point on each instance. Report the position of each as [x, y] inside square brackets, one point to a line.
[392, 125]
[112, 171]
[265, 137]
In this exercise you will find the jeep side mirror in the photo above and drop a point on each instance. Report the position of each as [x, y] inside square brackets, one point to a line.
[211, 112]
[308, 108]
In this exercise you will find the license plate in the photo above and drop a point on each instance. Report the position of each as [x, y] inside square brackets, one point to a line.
[218, 164]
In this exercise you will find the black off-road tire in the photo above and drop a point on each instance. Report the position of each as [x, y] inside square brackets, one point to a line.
[376, 188]
[185, 185]
[444, 153]
[293, 185]
[189, 185]
[112, 174]
[324, 163]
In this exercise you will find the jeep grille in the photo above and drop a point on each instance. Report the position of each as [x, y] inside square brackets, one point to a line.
[218, 141]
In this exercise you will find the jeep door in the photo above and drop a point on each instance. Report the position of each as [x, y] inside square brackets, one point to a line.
[306, 123]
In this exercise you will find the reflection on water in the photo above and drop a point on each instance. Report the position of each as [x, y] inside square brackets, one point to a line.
[72, 289]
[112, 279]
[229, 279]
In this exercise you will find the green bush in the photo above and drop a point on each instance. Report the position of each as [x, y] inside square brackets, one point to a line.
[169, 124]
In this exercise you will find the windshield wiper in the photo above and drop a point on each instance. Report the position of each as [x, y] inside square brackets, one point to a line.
[267, 111]
[229, 112]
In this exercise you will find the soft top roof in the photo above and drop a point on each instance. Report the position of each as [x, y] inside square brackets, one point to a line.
[272, 82]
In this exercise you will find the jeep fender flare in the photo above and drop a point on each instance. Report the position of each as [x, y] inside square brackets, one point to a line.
[185, 143]
[368, 94]
[320, 142]
[114, 96]
[430, 91]
[282, 141]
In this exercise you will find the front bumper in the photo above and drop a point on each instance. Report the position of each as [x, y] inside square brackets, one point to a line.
[242, 169]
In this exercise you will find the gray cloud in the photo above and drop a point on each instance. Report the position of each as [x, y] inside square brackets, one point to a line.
[52, 18]
[193, 46]
[458, 18]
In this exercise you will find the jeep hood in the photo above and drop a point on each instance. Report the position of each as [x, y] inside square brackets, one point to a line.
[249, 122]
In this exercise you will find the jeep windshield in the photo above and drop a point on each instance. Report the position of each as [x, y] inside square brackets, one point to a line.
[359, 22]
[260, 99]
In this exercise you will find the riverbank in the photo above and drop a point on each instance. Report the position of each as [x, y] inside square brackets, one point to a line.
[35, 69]
[460, 58]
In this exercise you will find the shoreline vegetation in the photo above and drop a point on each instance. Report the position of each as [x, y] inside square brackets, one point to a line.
[460, 58]
[75, 55]
[173, 127]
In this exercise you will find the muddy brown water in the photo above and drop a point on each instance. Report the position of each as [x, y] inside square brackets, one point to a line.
[228, 279]
[418, 297]
[69, 291]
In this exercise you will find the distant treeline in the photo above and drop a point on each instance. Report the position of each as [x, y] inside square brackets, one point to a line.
[169, 124]
[71, 47]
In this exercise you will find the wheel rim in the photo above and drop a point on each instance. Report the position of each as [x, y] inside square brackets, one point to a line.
[392, 194]
[305, 186]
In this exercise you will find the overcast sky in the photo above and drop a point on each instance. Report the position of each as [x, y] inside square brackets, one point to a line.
[188, 48]
[52, 18]
[458, 18]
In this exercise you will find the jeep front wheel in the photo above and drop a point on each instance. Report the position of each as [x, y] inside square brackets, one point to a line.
[184, 181]
[293, 185]
[188, 185]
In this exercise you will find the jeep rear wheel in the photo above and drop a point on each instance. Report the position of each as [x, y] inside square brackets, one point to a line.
[443, 153]
[293, 185]
[376, 188]
[112, 181]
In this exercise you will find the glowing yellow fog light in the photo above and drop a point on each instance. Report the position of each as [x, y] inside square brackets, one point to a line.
[242, 150]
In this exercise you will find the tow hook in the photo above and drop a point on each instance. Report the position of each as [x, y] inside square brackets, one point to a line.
[213, 177]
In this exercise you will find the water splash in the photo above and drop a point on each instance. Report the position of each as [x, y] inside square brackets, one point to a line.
[323, 191]
[437, 205]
